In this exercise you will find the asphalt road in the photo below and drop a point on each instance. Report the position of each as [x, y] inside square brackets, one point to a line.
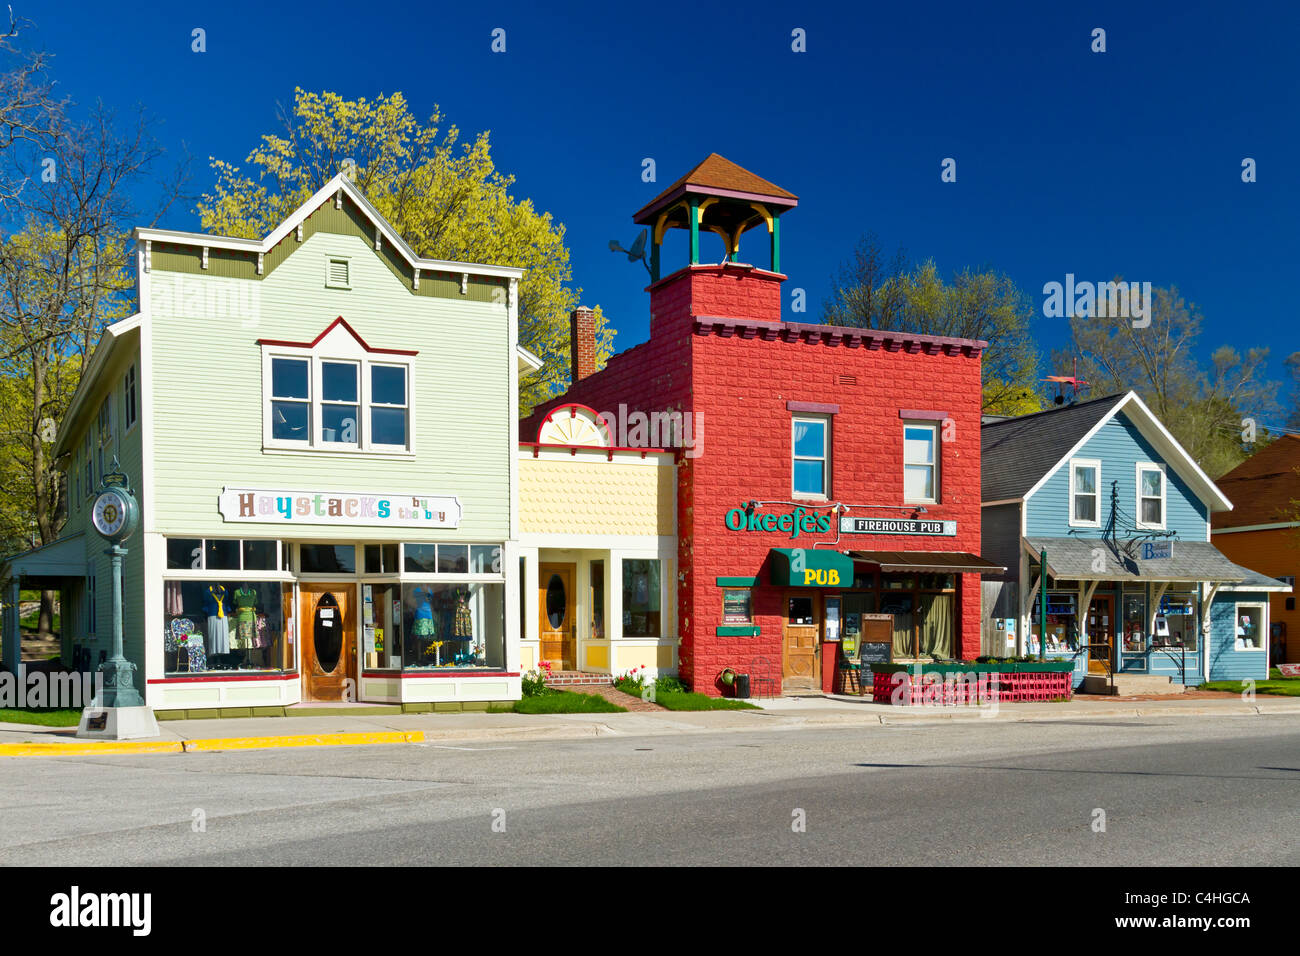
[1192, 791]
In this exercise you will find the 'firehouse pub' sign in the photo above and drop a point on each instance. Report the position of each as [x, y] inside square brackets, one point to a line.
[282, 505]
[896, 526]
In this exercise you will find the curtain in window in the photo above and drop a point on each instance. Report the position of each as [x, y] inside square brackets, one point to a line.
[900, 605]
[937, 624]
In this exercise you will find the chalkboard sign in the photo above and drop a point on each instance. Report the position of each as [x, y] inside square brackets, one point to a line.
[876, 652]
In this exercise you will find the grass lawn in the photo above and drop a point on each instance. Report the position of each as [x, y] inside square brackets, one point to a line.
[688, 700]
[562, 702]
[1283, 686]
[45, 718]
[29, 622]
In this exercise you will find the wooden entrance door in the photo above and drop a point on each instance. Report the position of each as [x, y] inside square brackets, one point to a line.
[801, 659]
[1101, 630]
[327, 623]
[557, 615]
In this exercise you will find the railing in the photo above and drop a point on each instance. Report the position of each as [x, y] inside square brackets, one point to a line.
[1181, 661]
[1103, 659]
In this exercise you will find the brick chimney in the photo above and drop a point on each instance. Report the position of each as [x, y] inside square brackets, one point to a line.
[582, 343]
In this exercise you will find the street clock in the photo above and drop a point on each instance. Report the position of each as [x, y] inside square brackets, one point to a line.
[115, 514]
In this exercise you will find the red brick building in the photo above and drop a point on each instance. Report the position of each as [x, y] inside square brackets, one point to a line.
[833, 491]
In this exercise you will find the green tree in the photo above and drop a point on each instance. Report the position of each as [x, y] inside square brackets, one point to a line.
[888, 293]
[1203, 405]
[444, 196]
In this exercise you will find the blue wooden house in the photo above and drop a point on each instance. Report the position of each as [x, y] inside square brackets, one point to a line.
[1100, 498]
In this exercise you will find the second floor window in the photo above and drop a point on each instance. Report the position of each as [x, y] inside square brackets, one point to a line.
[1151, 496]
[1085, 493]
[810, 456]
[921, 463]
[337, 404]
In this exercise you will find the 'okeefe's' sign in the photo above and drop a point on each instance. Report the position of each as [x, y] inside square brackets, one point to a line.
[896, 526]
[336, 507]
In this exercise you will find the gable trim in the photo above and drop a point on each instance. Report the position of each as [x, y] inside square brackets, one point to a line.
[1201, 485]
[282, 343]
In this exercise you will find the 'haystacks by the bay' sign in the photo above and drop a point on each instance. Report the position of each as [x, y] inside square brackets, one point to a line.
[279, 506]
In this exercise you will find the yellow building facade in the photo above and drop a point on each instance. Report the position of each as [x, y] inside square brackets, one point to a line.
[598, 547]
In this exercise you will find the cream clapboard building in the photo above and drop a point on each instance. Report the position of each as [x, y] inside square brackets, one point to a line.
[321, 429]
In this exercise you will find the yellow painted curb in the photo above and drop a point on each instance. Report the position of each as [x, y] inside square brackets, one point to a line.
[307, 740]
[83, 749]
[108, 747]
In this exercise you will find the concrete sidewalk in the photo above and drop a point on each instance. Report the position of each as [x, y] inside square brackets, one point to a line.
[788, 713]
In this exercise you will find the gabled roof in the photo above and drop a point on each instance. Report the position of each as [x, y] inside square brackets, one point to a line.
[1019, 455]
[339, 184]
[1265, 484]
[111, 341]
[718, 176]
[1016, 452]
[340, 322]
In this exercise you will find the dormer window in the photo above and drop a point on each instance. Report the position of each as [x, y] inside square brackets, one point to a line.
[337, 394]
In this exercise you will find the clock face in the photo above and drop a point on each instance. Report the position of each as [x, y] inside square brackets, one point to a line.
[109, 514]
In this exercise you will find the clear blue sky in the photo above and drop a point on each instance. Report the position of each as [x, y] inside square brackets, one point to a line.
[1127, 162]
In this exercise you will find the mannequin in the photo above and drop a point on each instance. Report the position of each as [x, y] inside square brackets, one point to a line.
[245, 601]
[424, 629]
[216, 607]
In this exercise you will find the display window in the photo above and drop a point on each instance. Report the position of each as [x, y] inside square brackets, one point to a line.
[1134, 617]
[923, 606]
[1175, 624]
[641, 590]
[1062, 622]
[453, 625]
[226, 626]
[1249, 627]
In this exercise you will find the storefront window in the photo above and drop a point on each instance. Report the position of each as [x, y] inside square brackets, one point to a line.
[1135, 614]
[454, 625]
[222, 626]
[1176, 621]
[902, 607]
[381, 625]
[184, 554]
[641, 598]
[1250, 627]
[453, 559]
[220, 554]
[381, 559]
[598, 600]
[937, 625]
[327, 558]
[1062, 622]
[485, 559]
[420, 558]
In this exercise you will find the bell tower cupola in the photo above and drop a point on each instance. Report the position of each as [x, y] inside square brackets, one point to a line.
[720, 197]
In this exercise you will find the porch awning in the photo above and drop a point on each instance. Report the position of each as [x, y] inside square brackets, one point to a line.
[810, 567]
[64, 558]
[928, 562]
[1103, 559]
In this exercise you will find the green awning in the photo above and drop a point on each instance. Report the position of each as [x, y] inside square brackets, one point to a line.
[809, 567]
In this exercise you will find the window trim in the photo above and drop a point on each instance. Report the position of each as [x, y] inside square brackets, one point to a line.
[1095, 465]
[933, 427]
[1264, 641]
[824, 458]
[316, 357]
[1140, 467]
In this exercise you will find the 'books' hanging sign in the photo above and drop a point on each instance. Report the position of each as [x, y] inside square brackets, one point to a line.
[285, 506]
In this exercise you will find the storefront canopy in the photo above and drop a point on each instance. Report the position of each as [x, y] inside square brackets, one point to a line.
[1097, 559]
[928, 562]
[808, 567]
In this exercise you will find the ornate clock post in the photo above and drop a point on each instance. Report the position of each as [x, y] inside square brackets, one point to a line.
[115, 515]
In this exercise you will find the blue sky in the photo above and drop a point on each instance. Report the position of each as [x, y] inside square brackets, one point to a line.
[1127, 162]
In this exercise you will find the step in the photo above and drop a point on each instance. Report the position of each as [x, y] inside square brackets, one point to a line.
[1131, 685]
